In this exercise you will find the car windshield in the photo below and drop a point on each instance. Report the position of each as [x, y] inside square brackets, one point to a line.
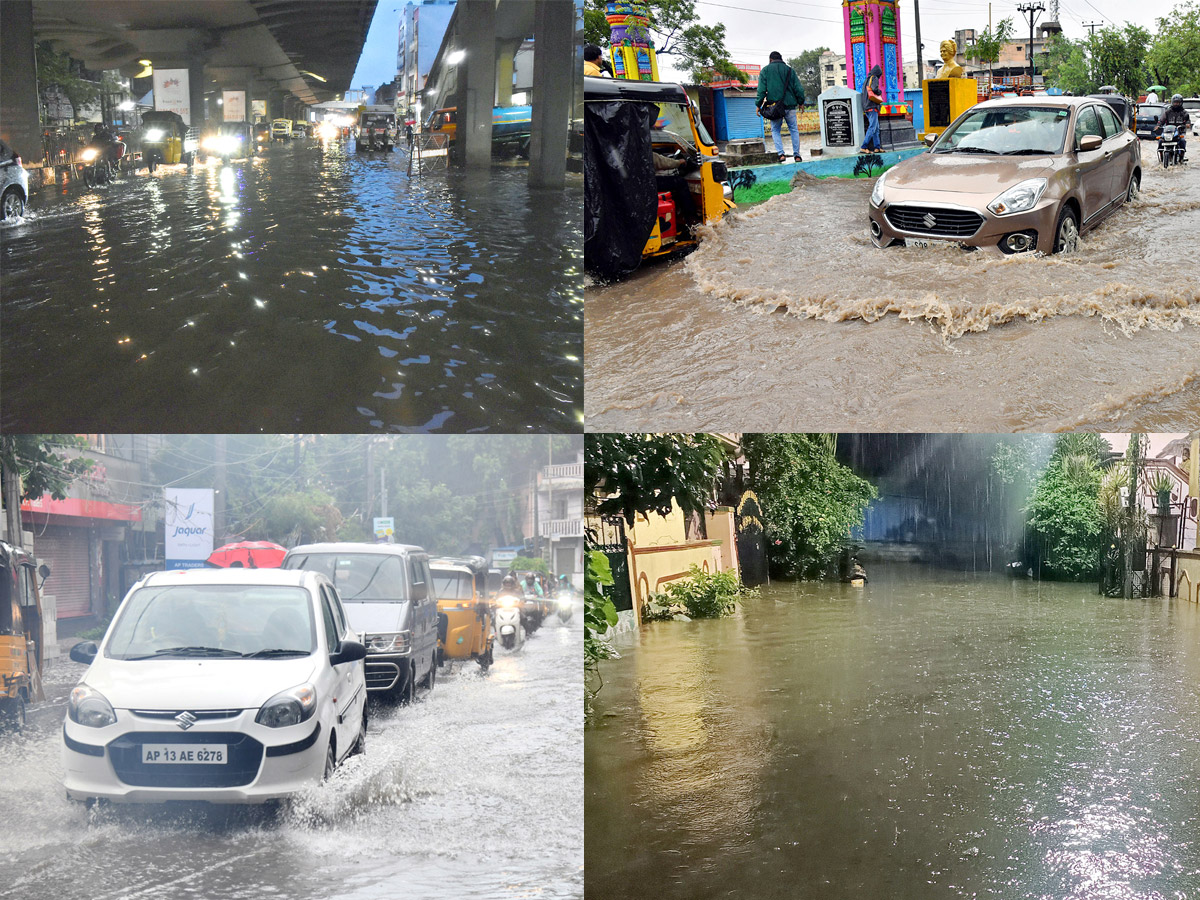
[1149, 109]
[358, 577]
[449, 585]
[1007, 131]
[234, 128]
[213, 620]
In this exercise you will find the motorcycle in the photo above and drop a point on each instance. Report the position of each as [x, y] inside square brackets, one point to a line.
[98, 165]
[531, 611]
[1169, 151]
[566, 606]
[507, 616]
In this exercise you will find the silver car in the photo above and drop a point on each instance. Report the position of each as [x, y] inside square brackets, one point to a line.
[14, 184]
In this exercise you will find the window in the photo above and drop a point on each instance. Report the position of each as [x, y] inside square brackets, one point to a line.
[1087, 123]
[358, 577]
[331, 633]
[419, 576]
[339, 615]
[1112, 125]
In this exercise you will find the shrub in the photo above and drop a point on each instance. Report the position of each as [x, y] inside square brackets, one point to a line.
[708, 595]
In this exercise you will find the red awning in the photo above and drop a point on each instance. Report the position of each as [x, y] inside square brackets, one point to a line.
[73, 507]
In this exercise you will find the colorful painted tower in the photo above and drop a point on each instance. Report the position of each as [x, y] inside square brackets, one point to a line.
[873, 39]
[631, 48]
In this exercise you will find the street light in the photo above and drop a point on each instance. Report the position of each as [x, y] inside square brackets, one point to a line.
[456, 57]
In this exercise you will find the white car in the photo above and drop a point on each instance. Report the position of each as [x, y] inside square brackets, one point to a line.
[14, 184]
[221, 685]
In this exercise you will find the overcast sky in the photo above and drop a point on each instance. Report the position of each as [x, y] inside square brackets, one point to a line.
[754, 28]
[377, 64]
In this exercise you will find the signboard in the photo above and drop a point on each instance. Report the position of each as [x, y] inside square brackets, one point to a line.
[839, 127]
[259, 108]
[234, 105]
[938, 114]
[385, 530]
[171, 92]
[750, 71]
[502, 558]
[188, 527]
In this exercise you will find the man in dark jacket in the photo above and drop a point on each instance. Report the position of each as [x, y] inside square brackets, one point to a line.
[778, 83]
[872, 100]
[1176, 114]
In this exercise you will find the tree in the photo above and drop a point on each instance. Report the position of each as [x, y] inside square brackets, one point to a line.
[54, 70]
[31, 466]
[1174, 55]
[807, 67]
[1065, 514]
[1119, 58]
[991, 41]
[810, 501]
[676, 30]
[1065, 66]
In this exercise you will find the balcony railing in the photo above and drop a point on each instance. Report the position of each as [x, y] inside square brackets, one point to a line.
[568, 470]
[562, 528]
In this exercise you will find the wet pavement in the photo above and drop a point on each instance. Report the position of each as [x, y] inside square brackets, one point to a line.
[311, 287]
[787, 318]
[474, 792]
[929, 735]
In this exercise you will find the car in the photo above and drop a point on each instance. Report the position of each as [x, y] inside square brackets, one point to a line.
[14, 184]
[1147, 118]
[230, 140]
[217, 685]
[387, 590]
[1009, 176]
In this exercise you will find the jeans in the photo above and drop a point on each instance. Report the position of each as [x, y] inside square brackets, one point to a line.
[777, 132]
[871, 139]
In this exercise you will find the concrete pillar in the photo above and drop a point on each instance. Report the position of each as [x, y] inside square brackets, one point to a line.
[504, 76]
[476, 83]
[196, 92]
[554, 71]
[20, 108]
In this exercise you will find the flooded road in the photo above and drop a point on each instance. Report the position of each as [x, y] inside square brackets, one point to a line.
[475, 792]
[309, 287]
[926, 736]
[787, 318]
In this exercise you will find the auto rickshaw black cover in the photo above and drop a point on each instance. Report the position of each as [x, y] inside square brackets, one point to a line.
[620, 193]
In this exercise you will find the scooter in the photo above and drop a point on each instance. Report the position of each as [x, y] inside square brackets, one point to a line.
[98, 165]
[566, 606]
[1169, 151]
[507, 622]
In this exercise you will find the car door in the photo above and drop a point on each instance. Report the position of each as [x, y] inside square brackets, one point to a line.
[424, 611]
[1117, 153]
[1091, 167]
[347, 700]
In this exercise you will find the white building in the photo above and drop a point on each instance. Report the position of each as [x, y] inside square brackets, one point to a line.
[833, 69]
[559, 506]
[422, 27]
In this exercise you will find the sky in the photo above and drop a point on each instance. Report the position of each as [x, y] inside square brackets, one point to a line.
[754, 28]
[377, 65]
[1157, 441]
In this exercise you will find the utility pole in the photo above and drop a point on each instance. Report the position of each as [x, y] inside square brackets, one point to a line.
[1135, 458]
[219, 483]
[383, 491]
[1031, 11]
[1091, 27]
[920, 55]
[367, 501]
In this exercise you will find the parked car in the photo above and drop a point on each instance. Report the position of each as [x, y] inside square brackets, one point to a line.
[14, 184]
[1009, 176]
[222, 685]
[388, 596]
[1147, 118]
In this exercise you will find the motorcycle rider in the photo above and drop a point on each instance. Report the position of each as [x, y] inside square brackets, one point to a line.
[509, 585]
[106, 141]
[532, 588]
[1176, 114]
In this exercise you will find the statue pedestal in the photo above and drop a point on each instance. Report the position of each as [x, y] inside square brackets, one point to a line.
[945, 100]
[841, 116]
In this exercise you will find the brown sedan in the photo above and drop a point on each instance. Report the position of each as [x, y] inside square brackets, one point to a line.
[1012, 175]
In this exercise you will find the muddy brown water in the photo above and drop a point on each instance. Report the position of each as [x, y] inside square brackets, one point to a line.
[788, 318]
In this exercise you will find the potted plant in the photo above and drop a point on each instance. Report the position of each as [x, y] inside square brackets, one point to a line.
[1161, 485]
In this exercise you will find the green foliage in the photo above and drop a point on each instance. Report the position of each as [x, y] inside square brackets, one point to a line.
[55, 70]
[809, 59]
[809, 499]
[529, 564]
[298, 517]
[707, 595]
[1161, 483]
[36, 459]
[1119, 58]
[675, 30]
[599, 614]
[721, 70]
[1065, 65]
[628, 474]
[1174, 55]
[990, 42]
[1065, 513]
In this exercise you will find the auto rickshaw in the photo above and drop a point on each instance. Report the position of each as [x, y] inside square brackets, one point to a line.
[20, 634]
[281, 129]
[464, 613]
[166, 140]
[375, 130]
[511, 127]
[631, 212]
[231, 140]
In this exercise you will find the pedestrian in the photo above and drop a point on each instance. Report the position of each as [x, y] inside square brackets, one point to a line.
[873, 100]
[1152, 97]
[594, 63]
[779, 93]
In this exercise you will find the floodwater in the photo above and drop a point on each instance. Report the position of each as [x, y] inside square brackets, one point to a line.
[787, 318]
[311, 286]
[928, 735]
[475, 792]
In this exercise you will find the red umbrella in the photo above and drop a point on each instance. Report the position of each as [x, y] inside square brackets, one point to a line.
[251, 554]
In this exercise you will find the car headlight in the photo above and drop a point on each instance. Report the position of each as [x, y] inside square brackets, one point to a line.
[290, 707]
[1019, 198]
[89, 707]
[154, 134]
[877, 191]
[388, 642]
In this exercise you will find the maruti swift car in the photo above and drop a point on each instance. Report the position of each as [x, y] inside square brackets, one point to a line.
[1011, 175]
[219, 685]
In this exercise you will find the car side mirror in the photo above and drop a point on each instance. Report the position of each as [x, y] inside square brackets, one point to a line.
[349, 651]
[84, 652]
[44, 571]
[930, 138]
[1090, 142]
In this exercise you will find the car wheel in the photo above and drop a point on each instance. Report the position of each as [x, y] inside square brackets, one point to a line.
[88, 181]
[431, 678]
[360, 742]
[409, 692]
[1134, 188]
[12, 713]
[1066, 232]
[485, 659]
[330, 760]
[13, 206]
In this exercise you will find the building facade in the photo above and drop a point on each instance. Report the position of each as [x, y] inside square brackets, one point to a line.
[422, 27]
[833, 69]
[558, 509]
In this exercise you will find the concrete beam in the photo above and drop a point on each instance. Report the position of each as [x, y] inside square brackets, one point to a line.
[20, 119]
[476, 83]
[554, 73]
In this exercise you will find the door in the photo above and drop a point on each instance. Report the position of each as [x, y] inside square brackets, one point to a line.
[1117, 153]
[348, 693]
[424, 614]
[1092, 167]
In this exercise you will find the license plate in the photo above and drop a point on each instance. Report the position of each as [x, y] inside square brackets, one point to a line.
[928, 242]
[188, 754]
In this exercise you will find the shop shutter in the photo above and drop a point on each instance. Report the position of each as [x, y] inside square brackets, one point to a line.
[65, 551]
[742, 119]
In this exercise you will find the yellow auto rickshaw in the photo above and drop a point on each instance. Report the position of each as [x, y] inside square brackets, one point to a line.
[20, 634]
[464, 613]
[635, 209]
[167, 140]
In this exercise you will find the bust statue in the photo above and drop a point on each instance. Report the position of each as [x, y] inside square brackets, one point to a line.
[950, 67]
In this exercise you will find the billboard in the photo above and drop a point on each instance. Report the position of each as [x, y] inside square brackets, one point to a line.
[385, 530]
[188, 527]
[234, 105]
[171, 92]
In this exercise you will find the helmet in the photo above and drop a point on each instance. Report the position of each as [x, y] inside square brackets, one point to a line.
[510, 581]
[1177, 98]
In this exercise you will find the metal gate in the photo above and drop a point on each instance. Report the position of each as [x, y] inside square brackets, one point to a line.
[742, 119]
[609, 538]
[65, 551]
[751, 540]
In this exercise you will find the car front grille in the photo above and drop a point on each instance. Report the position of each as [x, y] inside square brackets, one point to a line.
[381, 676]
[935, 221]
[245, 757]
